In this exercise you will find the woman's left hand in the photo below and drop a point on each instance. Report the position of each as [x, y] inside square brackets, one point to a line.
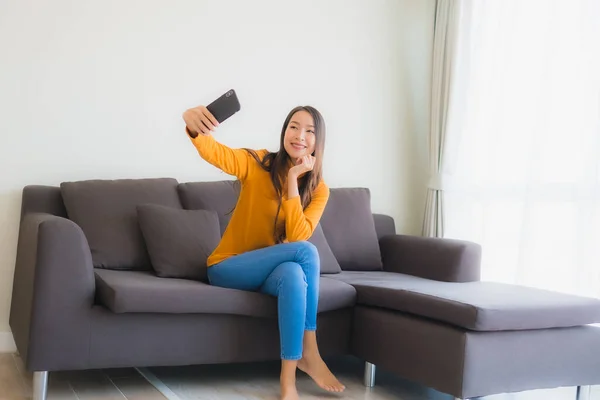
[303, 165]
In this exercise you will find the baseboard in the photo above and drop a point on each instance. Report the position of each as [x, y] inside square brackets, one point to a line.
[7, 343]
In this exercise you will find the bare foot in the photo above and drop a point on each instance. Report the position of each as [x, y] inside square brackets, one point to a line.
[316, 368]
[289, 392]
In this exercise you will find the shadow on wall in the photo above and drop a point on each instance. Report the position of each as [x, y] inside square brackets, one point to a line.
[10, 211]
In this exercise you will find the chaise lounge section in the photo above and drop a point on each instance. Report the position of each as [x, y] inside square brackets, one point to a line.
[109, 274]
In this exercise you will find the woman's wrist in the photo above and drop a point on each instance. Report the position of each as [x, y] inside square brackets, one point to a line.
[292, 185]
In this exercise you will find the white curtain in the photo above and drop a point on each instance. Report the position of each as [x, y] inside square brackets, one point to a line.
[526, 142]
[445, 30]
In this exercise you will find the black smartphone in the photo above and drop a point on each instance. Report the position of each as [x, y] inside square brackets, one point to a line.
[225, 106]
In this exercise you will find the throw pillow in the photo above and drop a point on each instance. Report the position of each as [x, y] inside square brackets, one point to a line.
[329, 264]
[179, 241]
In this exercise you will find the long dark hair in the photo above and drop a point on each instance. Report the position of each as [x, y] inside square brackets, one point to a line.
[277, 165]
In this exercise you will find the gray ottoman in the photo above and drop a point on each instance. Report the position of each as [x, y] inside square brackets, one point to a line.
[476, 338]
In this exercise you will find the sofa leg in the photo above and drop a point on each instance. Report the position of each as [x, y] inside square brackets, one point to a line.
[584, 392]
[40, 385]
[369, 374]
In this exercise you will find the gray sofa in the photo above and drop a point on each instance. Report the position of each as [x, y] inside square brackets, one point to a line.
[100, 282]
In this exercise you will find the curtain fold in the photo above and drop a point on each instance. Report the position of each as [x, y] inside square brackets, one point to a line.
[444, 56]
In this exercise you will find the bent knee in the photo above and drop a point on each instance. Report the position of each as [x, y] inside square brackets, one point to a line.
[293, 274]
[309, 248]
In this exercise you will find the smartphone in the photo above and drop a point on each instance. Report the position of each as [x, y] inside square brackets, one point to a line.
[225, 106]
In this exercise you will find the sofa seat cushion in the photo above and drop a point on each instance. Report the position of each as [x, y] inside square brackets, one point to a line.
[479, 306]
[141, 291]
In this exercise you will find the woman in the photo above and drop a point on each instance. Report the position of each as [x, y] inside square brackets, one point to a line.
[264, 247]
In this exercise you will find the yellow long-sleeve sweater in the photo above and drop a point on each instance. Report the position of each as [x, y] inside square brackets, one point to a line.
[252, 222]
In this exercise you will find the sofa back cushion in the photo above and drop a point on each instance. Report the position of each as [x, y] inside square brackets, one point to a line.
[106, 212]
[219, 196]
[349, 227]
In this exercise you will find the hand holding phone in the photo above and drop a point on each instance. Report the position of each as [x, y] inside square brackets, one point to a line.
[205, 119]
[199, 120]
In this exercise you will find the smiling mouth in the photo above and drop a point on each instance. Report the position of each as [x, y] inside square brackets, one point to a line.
[298, 146]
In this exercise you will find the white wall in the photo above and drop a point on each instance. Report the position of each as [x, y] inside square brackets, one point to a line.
[86, 84]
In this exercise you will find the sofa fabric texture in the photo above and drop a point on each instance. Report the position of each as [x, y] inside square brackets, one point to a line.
[477, 306]
[179, 241]
[143, 292]
[106, 212]
[329, 264]
[218, 196]
[438, 259]
[350, 229]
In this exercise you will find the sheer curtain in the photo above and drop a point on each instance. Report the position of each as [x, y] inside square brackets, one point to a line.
[524, 147]
[444, 52]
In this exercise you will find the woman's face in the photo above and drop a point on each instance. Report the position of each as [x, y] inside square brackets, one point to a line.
[299, 139]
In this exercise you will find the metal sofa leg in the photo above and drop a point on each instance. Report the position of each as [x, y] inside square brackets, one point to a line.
[584, 392]
[40, 385]
[369, 374]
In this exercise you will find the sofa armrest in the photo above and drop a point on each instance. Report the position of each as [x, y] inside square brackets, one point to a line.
[384, 225]
[438, 259]
[53, 294]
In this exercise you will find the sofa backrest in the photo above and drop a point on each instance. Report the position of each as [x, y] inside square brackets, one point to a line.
[42, 199]
[219, 196]
[384, 225]
[106, 211]
[351, 229]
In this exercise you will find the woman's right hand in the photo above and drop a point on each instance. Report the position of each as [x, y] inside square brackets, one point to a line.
[200, 121]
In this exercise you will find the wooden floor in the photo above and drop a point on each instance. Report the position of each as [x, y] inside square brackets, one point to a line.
[235, 382]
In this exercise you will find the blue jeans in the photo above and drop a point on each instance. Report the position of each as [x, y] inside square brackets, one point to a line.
[289, 271]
